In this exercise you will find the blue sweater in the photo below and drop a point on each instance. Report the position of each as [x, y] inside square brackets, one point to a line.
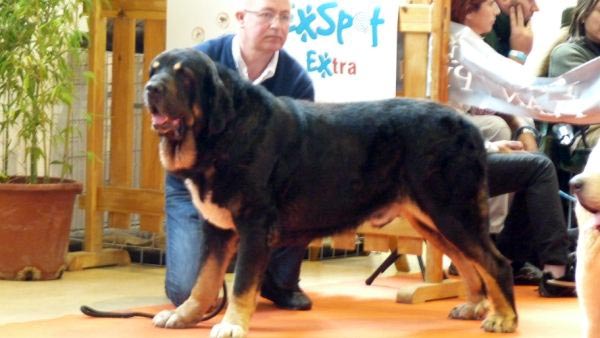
[290, 79]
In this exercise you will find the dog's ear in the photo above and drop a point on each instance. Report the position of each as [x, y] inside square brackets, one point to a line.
[218, 103]
[203, 85]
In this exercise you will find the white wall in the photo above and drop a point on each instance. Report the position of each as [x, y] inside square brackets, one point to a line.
[187, 27]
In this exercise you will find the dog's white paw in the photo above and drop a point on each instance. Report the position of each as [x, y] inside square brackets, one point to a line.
[227, 330]
[470, 311]
[500, 324]
[169, 319]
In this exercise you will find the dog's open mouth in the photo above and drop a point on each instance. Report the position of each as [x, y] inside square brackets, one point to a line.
[166, 125]
[593, 222]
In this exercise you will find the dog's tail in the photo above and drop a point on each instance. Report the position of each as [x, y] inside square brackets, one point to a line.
[221, 302]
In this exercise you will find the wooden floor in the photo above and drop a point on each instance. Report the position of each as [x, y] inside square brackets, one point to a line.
[343, 306]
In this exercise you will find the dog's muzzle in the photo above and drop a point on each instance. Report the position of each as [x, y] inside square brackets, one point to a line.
[577, 185]
[162, 122]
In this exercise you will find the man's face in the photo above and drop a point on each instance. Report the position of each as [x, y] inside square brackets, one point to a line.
[265, 24]
[529, 6]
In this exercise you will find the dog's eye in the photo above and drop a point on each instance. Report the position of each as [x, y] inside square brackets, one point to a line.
[153, 67]
[177, 67]
[183, 71]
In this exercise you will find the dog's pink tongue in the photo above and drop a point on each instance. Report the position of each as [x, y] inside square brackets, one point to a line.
[158, 119]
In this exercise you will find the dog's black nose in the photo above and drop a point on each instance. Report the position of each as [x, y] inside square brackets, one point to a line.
[576, 184]
[154, 88]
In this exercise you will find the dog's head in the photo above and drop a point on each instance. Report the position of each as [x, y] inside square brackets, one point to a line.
[185, 94]
[586, 187]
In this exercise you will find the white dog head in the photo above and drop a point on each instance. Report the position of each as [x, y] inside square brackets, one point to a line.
[586, 187]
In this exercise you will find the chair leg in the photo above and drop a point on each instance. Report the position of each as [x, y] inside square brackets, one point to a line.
[391, 259]
[421, 266]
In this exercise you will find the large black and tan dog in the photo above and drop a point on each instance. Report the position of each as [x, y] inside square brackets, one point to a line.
[265, 171]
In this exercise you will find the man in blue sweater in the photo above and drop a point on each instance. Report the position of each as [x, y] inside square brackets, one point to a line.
[255, 52]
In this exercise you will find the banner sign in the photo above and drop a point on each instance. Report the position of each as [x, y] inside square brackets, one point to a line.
[479, 76]
[348, 47]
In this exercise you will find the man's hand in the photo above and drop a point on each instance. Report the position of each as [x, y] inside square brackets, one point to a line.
[506, 146]
[529, 142]
[521, 34]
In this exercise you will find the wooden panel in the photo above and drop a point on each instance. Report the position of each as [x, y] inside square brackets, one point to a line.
[80, 260]
[434, 272]
[137, 5]
[121, 199]
[420, 293]
[136, 9]
[345, 240]
[439, 52]
[130, 200]
[416, 49]
[416, 46]
[415, 18]
[151, 171]
[410, 245]
[135, 14]
[399, 227]
[315, 243]
[96, 97]
[377, 243]
[123, 96]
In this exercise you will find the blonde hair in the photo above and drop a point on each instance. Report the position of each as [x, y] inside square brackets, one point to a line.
[582, 11]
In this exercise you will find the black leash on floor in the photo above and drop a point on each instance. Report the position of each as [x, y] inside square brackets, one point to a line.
[110, 314]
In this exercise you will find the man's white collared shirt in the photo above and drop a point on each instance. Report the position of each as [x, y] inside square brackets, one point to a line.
[243, 69]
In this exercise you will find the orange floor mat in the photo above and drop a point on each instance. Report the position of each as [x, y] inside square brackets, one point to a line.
[340, 310]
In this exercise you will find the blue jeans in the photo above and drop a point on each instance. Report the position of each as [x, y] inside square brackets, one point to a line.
[184, 246]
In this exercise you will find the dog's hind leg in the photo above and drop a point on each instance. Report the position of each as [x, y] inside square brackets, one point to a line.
[496, 273]
[476, 307]
[220, 246]
[485, 270]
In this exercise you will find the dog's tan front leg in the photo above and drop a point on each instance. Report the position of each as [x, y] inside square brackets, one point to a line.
[203, 294]
[236, 321]
[253, 254]
[191, 311]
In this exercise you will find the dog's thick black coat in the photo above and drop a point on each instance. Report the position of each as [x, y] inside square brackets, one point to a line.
[266, 171]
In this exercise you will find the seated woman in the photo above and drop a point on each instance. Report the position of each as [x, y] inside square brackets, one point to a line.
[540, 230]
[582, 45]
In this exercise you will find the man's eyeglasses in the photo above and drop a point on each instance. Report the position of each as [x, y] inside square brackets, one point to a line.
[267, 17]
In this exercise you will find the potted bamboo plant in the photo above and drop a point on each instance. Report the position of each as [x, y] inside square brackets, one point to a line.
[40, 41]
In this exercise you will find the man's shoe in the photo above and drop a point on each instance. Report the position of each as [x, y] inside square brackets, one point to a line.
[528, 274]
[557, 287]
[289, 299]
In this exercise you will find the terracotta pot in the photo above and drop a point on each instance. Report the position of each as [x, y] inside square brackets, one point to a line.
[35, 224]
